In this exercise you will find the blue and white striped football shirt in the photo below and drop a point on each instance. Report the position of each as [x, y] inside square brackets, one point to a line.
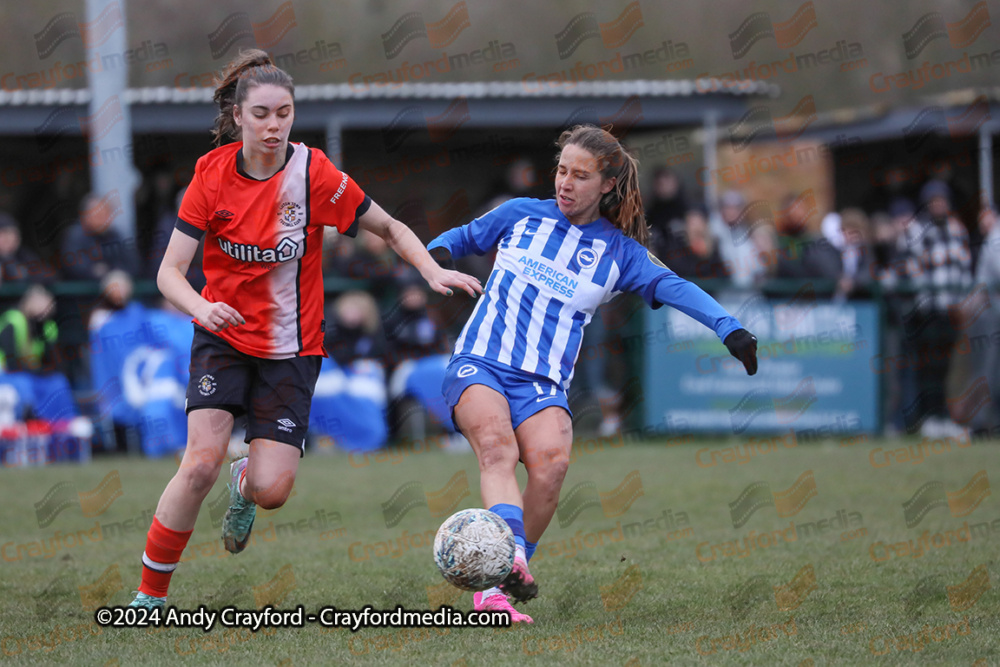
[548, 280]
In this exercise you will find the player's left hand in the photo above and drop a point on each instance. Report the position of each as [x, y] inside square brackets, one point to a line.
[443, 280]
[743, 345]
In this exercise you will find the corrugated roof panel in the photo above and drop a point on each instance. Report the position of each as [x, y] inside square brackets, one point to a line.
[474, 89]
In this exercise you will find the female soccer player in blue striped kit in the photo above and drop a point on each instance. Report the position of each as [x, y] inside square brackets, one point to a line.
[557, 261]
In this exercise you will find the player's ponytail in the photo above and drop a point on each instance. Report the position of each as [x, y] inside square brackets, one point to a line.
[623, 205]
[252, 67]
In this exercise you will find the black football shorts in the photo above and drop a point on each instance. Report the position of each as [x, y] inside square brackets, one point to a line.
[274, 394]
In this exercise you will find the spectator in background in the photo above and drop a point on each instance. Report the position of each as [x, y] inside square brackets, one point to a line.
[901, 210]
[856, 254]
[29, 355]
[963, 198]
[116, 293]
[982, 317]
[335, 250]
[803, 255]
[900, 383]
[665, 216]
[889, 231]
[744, 245]
[353, 329]
[411, 335]
[988, 270]
[92, 248]
[366, 257]
[29, 333]
[17, 263]
[410, 332]
[882, 276]
[935, 259]
[520, 180]
[700, 258]
[831, 230]
[885, 245]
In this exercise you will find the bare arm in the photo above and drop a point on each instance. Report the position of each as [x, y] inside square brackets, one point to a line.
[405, 243]
[173, 284]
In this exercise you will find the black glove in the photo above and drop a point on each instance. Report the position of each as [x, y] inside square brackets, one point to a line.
[743, 345]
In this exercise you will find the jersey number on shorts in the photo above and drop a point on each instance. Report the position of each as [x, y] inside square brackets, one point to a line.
[541, 393]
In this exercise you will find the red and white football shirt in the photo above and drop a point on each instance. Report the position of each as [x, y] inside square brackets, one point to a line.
[264, 244]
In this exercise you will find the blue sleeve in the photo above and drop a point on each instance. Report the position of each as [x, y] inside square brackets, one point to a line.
[644, 274]
[480, 235]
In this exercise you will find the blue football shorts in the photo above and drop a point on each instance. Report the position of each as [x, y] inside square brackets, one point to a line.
[526, 393]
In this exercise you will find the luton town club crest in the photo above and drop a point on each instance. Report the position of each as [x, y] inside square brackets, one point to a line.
[207, 385]
[289, 213]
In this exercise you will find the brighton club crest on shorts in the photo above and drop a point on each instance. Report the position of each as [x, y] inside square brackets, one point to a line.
[289, 213]
[207, 385]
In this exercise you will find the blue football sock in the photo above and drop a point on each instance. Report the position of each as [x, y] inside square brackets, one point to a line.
[529, 549]
[514, 516]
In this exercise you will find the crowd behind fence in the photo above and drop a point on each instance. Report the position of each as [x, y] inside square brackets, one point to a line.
[933, 279]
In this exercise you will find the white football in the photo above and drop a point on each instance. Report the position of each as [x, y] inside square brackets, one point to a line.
[474, 549]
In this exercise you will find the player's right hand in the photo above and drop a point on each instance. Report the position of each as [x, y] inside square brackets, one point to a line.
[442, 280]
[218, 316]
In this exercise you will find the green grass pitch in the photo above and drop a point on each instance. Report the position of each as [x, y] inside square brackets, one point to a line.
[843, 553]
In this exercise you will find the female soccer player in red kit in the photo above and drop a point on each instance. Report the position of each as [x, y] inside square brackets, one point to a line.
[260, 204]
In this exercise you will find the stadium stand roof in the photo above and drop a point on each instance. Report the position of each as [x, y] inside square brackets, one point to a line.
[953, 114]
[489, 104]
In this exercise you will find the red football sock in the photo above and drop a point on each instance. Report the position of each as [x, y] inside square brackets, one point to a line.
[163, 551]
